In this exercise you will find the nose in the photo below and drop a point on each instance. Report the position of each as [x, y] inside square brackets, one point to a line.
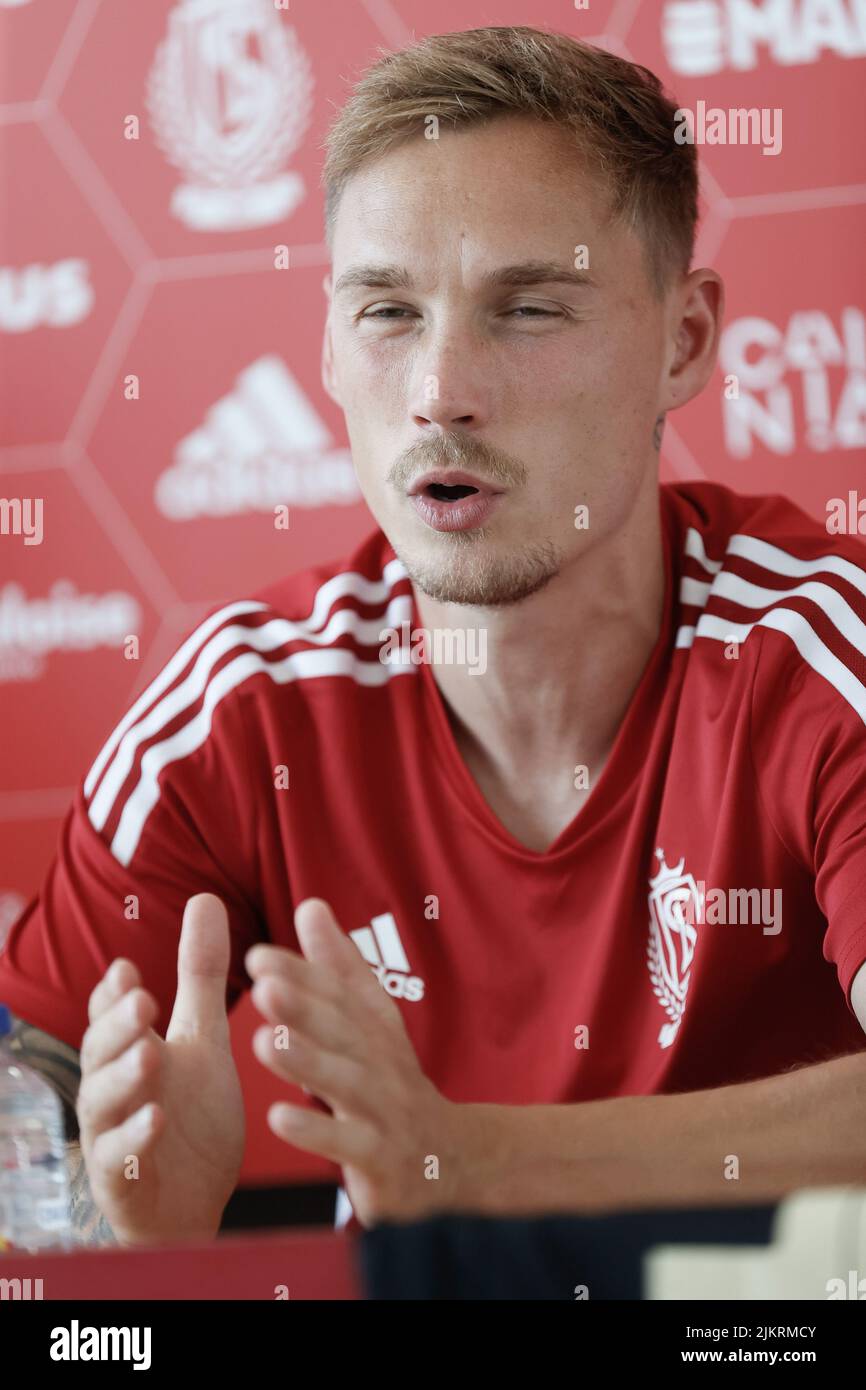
[449, 389]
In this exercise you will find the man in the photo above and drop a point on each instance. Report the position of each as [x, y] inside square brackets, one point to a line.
[645, 704]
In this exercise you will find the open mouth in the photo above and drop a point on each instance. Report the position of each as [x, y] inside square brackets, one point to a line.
[460, 504]
[443, 493]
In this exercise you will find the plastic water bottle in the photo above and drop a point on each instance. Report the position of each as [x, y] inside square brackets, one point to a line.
[34, 1184]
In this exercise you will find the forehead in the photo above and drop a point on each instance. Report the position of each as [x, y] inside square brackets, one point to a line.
[510, 185]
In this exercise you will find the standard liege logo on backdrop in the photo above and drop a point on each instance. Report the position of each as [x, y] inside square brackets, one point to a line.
[261, 445]
[706, 36]
[230, 97]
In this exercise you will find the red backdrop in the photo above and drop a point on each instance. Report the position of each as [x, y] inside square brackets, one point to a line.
[160, 354]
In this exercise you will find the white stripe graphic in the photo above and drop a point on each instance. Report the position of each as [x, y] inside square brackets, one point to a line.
[771, 557]
[694, 591]
[742, 591]
[268, 637]
[350, 584]
[347, 583]
[164, 680]
[748, 595]
[738, 590]
[366, 944]
[694, 546]
[298, 666]
[390, 945]
[805, 639]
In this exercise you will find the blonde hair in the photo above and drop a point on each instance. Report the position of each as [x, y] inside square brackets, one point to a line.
[617, 112]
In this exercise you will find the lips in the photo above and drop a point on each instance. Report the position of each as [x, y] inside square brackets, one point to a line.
[453, 500]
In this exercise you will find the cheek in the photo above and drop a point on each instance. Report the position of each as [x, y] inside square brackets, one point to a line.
[370, 365]
[374, 401]
[629, 357]
[619, 395]
[582, 374]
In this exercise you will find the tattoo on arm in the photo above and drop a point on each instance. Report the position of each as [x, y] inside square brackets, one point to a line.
[88, 1223]
[58, 1063]
[658, 431]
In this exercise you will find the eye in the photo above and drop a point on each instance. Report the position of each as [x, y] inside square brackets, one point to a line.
[378, 313]
[534, 310]
[387, 312]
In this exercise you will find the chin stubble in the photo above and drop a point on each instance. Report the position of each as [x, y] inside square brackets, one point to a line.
[466, 574]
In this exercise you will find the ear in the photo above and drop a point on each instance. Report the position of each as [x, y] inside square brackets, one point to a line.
[697, 310]
[329, 377]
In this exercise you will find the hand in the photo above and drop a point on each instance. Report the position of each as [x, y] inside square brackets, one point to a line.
[174, 1105]
[401, 1144]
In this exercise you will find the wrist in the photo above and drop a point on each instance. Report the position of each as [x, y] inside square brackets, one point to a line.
[530, 1160]
[482, 1147]
[135, 1237]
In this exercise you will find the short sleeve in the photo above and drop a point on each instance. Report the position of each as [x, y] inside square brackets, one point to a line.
[809, 746]
[138, 840]
[839, 819]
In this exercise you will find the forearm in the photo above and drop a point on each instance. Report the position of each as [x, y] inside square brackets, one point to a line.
[88, 1224]
[752, 1142]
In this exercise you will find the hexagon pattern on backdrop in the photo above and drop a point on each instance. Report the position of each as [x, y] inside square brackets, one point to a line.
[161, 384]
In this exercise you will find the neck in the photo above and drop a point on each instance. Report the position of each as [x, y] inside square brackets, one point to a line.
[562, 665]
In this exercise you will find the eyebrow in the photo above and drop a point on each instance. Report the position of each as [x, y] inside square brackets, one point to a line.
[396, 277]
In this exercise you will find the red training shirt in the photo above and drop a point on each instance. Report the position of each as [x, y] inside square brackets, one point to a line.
[521, 976]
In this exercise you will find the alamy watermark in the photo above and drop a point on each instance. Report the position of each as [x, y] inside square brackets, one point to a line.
[439, 646]
[736, 126]
[22, 516]
[734, 907]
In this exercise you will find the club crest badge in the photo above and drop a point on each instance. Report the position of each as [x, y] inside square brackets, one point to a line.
[675, 908]
[230, 96]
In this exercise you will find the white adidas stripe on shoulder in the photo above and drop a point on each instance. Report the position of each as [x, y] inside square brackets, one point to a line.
[746, 594]
[298, 666]
[694, 546]
[318, 628]
[772, 557]
[349, 584]
[805, 639]
[164, 680]
[268, 637]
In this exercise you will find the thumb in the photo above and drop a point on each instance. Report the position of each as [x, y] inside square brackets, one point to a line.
[202, 970]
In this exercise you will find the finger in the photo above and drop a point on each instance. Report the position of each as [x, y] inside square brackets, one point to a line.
[322, 940]
[121, 975]
[108, 1096]
[111, 1152]
[264, 961]
[283, 1002]
[341, 1081]
[343, 1141]
[324, 944]
[117, 1029]
[203, 958]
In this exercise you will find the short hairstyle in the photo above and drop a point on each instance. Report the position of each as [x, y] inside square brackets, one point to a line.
[622, 123]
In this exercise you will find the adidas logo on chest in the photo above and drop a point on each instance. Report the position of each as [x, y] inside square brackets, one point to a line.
[380, 945]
